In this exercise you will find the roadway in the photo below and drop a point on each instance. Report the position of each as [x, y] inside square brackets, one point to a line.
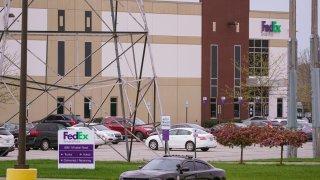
[140, 152]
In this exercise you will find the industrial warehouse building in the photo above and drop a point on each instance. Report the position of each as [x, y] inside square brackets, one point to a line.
[214, 59]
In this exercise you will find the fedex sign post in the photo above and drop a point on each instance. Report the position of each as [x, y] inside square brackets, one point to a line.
[76, 149]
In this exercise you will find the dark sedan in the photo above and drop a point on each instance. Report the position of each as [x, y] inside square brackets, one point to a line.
[174, 168]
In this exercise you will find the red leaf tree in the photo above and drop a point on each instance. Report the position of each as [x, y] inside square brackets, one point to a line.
[231, 135]
[274, 137]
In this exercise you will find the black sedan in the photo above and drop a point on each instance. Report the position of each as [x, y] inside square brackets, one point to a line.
[175, 168]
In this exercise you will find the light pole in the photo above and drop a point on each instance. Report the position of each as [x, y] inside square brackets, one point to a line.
[186, 105]
[223, 99]
[148, 106]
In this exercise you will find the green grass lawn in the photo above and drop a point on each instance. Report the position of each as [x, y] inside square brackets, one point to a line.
[112, 170]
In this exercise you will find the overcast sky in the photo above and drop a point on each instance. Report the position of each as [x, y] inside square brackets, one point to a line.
[303, 15]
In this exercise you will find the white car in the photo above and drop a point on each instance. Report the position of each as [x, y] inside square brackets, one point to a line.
[6, 142]
[183, 138]
[97, 140]
[107, 134]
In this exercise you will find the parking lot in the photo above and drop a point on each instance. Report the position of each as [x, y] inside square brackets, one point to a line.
[141, 152]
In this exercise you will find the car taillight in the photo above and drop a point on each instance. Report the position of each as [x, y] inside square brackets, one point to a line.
[73, 122]
[202, 137]
[34, 133]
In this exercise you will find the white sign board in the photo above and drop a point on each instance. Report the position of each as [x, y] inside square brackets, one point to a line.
[76, 149]
[165, 122]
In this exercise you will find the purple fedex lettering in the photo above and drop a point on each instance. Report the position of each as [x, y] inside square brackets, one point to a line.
[265, 27]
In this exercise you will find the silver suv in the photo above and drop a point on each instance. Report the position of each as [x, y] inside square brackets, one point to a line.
[6, 142]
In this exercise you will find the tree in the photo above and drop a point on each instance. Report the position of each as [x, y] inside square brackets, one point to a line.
[231, 135]
[266, 75]
[304, 80]
[9, 68]
[274, 137]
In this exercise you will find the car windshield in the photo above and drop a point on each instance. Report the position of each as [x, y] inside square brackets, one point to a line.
[196, 126]
[138, 122]
[4, 132]
[199, 131]
[101, 128]
[162, 164]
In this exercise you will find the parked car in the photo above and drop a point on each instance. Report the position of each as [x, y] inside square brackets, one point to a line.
[98, 141]
[255, 118]
[306, 128]
[6, 142]
[65, 119]
[216, 127]
[175, 167]
[102, 131]
[183, 138]
[44, 136]
[141, 130]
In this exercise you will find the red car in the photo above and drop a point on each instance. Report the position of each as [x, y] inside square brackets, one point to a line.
[141, 130]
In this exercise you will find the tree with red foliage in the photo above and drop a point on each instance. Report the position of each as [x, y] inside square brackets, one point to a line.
[274, 137]
[231, 135]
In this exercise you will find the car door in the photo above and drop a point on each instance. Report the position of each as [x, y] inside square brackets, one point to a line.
[182, 137]
[53, 134]
[173, 138]
[203, 170]
[191, 174]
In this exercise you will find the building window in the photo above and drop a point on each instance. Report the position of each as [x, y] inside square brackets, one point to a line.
[61, 20]
[88, 60]
[61, 58]
[113, 106]
[88, 21]
[60, 105]
[236, 108]
[87, 107]
[237, 80]
[279, 107]
[258, 57]
[259, 99]
[214, 80]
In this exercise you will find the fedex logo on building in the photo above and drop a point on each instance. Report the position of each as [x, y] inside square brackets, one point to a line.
[270, 28]
[76, 136]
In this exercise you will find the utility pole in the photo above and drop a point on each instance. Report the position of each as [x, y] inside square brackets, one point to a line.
[315, 79]
[292, 74]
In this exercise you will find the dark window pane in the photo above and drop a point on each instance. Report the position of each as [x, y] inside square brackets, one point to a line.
[257, 43]
[213, 100]
[237, 56]
[88, 21]
[237, 82]
[213, 91]
[60, 104]
[251, 72]
[214, 82]
[61, 20]
[88, 60]
[87, 107]
[213, 110]
[236, 109]
[251, 59]
[113, 106]
[61, 58]
[265, 43]
[251, 43]
[214, 61]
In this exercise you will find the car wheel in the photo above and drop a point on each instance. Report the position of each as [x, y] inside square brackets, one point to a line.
[153, 144]
[44, 145]
[204, 149]
[115, 142]
[190, 146]
[27, 149]
[35, 148]
[139, 136]
[96, 146]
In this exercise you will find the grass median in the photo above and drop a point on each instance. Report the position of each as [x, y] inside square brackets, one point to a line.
[111, 170]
